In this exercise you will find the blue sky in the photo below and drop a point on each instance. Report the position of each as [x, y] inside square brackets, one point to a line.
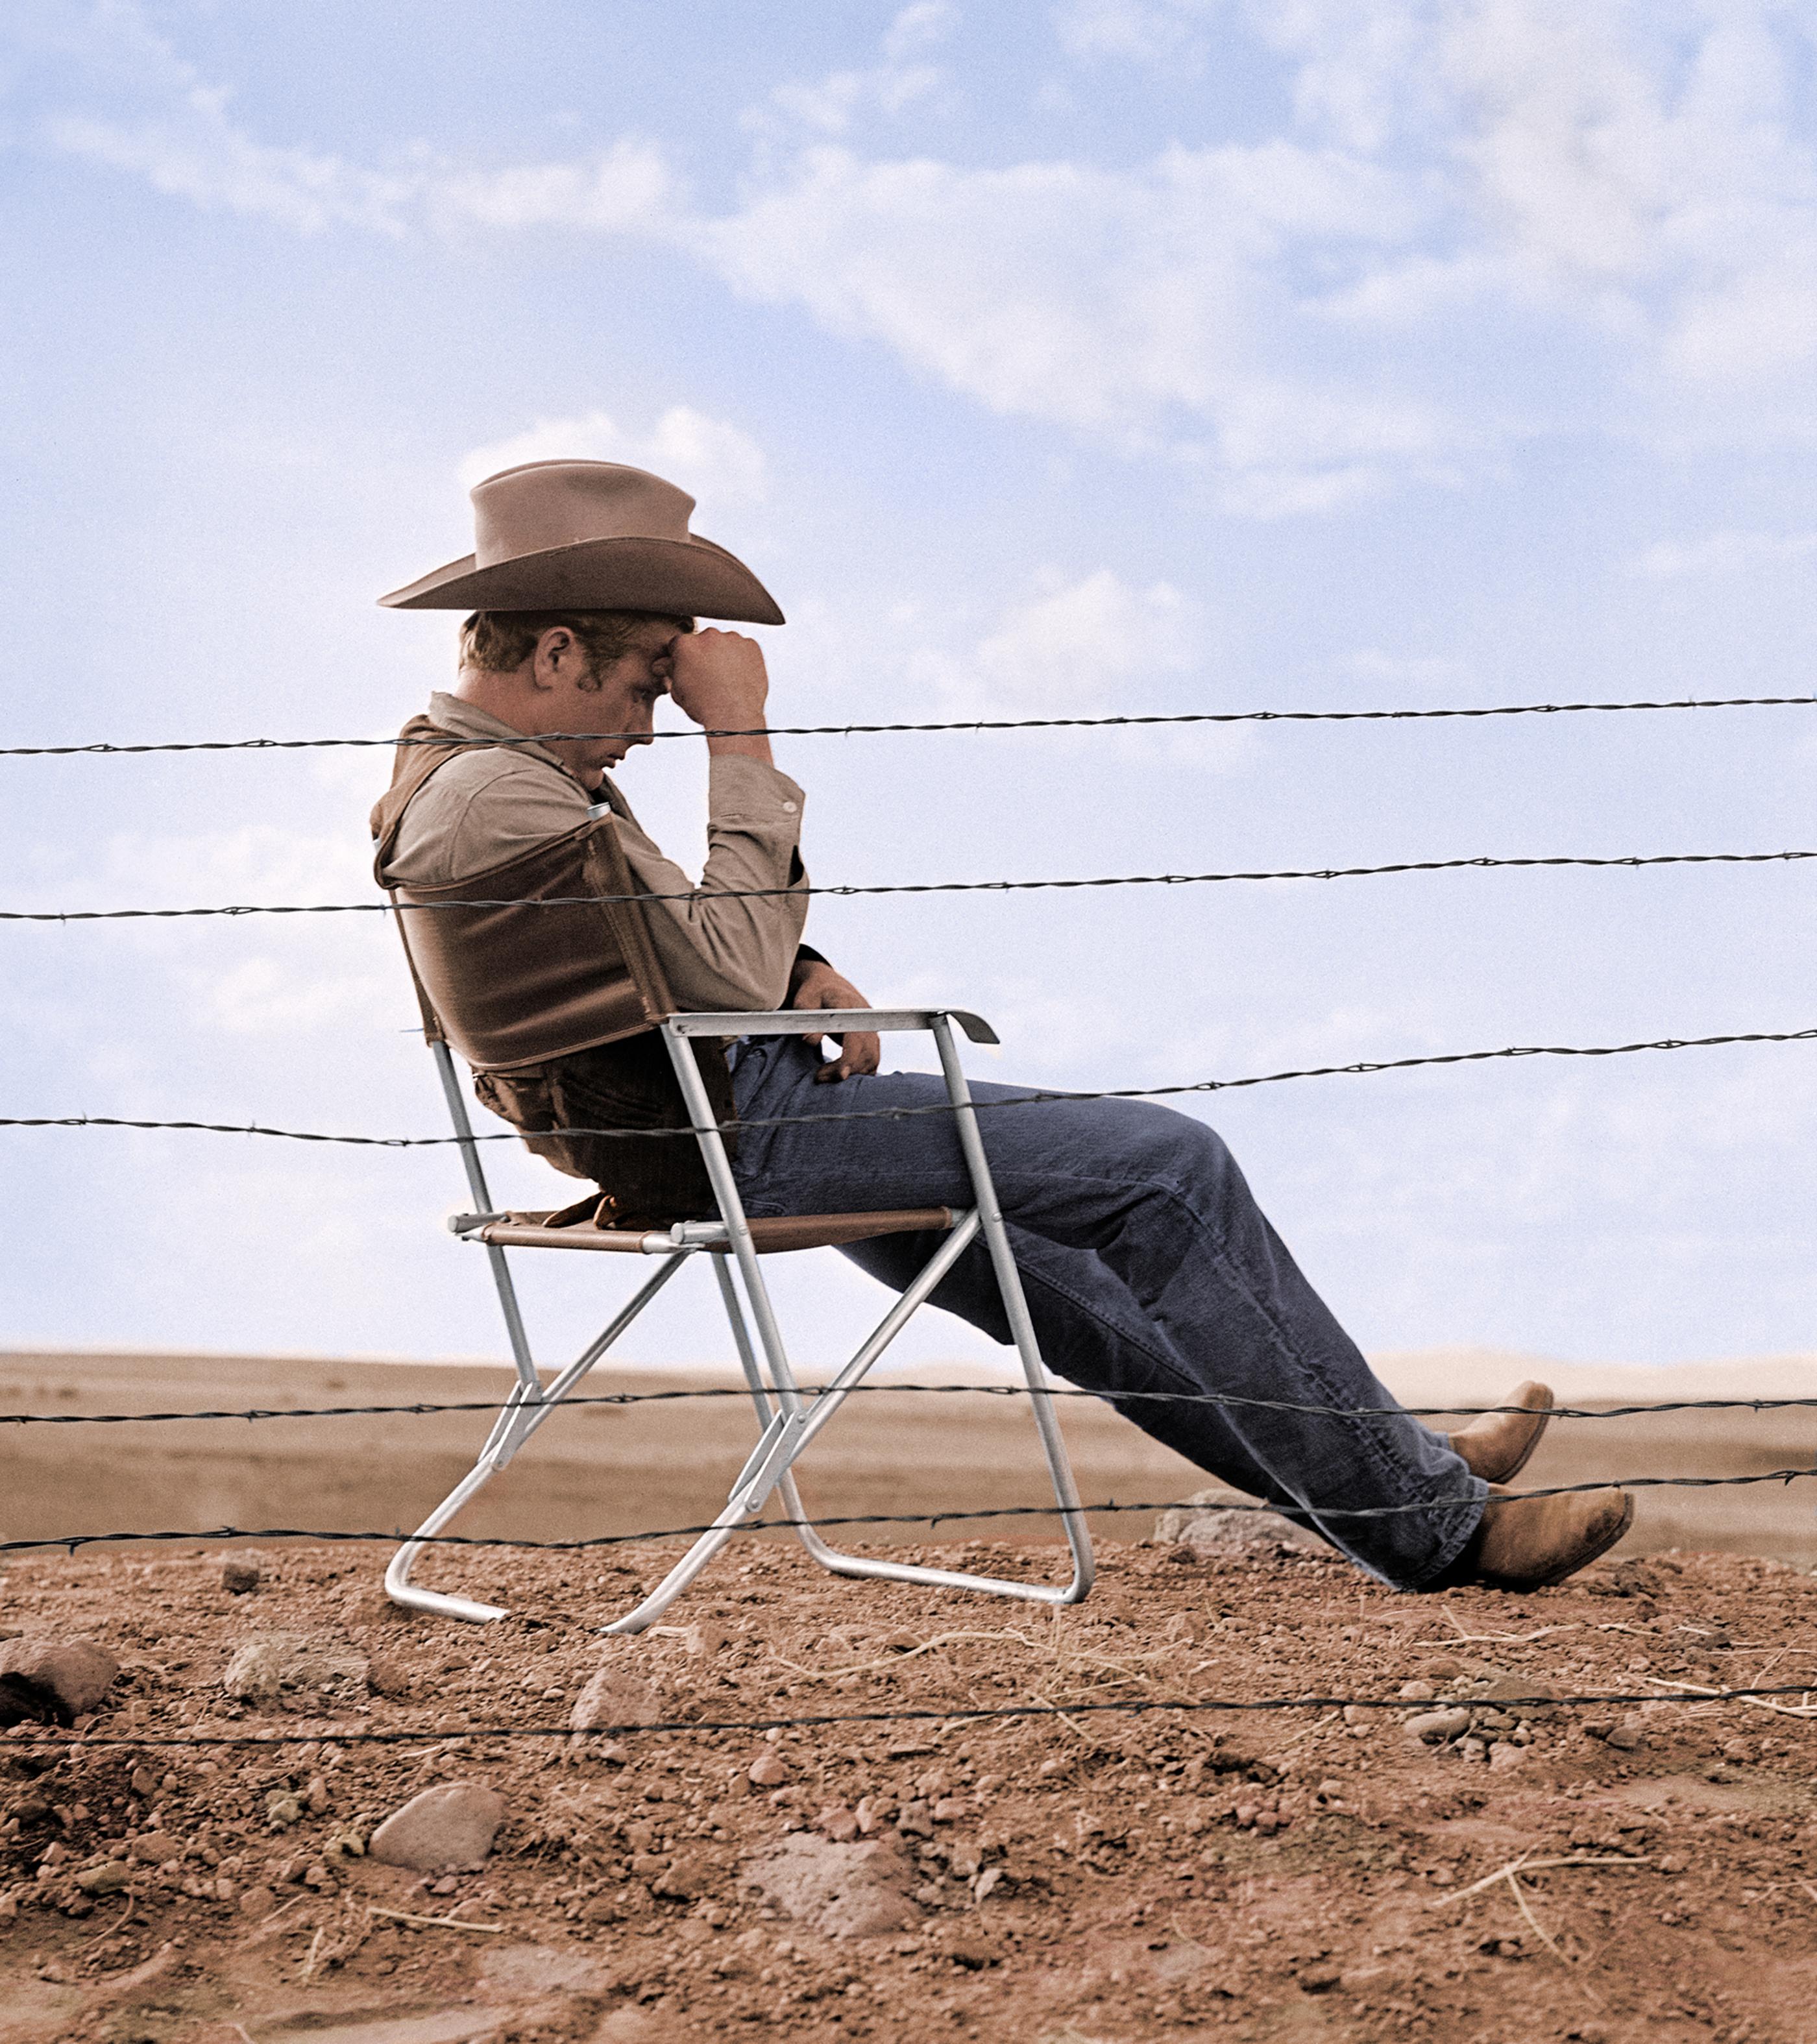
[1104, 356]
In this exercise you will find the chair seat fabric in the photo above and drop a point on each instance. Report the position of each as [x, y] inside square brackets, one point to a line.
[770, 1236]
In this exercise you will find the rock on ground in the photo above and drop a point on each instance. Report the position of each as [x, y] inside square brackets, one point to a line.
[264, 1668]
[452, 1824]
[1210, 1522]
[51, 1677]
[616, 1696]
[843, 1891]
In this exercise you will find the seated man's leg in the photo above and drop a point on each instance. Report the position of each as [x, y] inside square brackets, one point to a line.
[1167, 1271]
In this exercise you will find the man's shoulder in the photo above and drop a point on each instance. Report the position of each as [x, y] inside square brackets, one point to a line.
[507, 773]
[481, 808]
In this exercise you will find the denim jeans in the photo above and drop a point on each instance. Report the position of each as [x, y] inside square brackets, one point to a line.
[1148, 1266]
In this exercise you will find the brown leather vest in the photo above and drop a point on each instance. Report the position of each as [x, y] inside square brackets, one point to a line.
[553, 1007]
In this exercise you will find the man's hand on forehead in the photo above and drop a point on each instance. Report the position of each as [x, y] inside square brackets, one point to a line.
[718, 679]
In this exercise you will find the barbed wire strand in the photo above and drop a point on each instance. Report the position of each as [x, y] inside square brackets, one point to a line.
[170, 1536]
[1477, 862]
[422, 1407]
[100, 747]
[1037, 1099]
[435, 1736]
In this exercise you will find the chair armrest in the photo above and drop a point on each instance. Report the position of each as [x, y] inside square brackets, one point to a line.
[829, 1021]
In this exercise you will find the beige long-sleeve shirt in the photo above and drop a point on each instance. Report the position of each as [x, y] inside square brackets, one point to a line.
[717, 951]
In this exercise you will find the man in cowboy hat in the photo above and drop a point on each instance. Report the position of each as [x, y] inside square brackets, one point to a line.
[1147, 1264]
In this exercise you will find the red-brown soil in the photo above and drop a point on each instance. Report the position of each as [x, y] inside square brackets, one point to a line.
[1282, 1875]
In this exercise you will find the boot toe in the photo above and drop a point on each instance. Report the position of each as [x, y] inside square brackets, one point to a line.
[1529, 1542]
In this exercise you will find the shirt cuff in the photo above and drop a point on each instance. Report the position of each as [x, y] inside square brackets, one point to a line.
[741, 789]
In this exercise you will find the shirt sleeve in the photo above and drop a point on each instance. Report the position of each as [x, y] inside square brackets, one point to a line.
[718, 951]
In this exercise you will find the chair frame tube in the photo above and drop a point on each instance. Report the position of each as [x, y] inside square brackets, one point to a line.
[788, 1418]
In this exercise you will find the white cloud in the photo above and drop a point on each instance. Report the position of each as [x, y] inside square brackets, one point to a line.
[1151, 31]
[920, 26]
[1724, 553]
[715, 462]
[1070, 648]
[1123, 302]
[833, 105]
[1478, 216]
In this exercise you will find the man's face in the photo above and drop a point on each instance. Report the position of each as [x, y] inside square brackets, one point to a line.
[620, 697]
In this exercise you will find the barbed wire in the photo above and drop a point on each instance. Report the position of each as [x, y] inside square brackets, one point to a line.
[166, 1536]
[88, 1741]
[1036, 1099]
[104, 747]
[1477, 862]
[422, 1408]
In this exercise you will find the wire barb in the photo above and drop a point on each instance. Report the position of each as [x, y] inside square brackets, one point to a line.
[1477, 862]
[967, 724]
[976, 1714]
[420, 1408]
[1361, 1069]
[1287, 1507]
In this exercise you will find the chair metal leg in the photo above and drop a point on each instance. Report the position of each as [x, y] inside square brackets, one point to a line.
[788, 1432]
[522, 1413]
[469, 1148]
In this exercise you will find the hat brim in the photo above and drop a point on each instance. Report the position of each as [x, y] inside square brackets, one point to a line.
[689, 578]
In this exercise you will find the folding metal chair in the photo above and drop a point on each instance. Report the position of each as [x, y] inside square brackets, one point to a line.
[788, 1415]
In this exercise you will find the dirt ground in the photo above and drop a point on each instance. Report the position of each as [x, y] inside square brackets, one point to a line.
[1293, 1875]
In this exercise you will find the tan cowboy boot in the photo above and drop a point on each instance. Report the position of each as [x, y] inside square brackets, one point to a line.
[1524, 1543]
[1497, 1447]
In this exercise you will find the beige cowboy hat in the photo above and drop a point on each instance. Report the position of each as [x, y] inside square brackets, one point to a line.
[589, 536]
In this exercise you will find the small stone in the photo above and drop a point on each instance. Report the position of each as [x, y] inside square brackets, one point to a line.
[53, 1679]
[1516, 1689]
[874, 1812]
[1629, 1736]
[968, 1949]
[1417, 1692]
[838, 1823]
[240, 1577]
[987, 1882]
[849, 1891]
[8, 1908]
[616, 1696]
[950, 1809]
[143, 1782]
[263, 1669]
[282, 1808]
[257, 1902]
[1504, 1758]
[452, 1824]
[703, 1640]
[686, 1877]
[769, 1769]
[108, 1878]
[155, 1849]
[387, 1675]
[1317, 1980]
[1217, 1523]
[1434, 1727]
